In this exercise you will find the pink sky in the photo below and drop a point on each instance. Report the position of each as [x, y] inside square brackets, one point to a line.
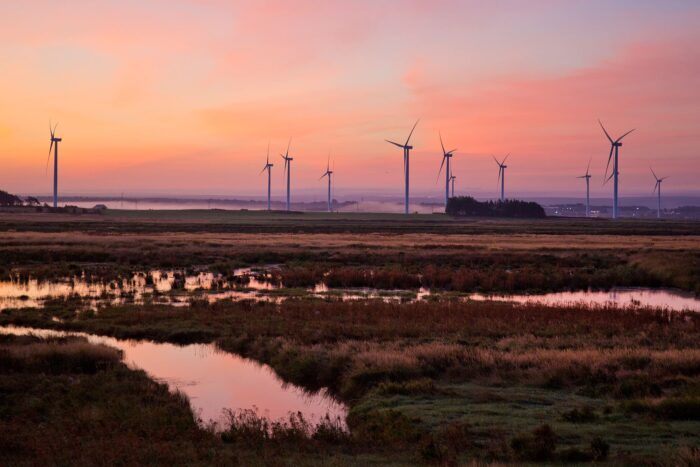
[182, 96]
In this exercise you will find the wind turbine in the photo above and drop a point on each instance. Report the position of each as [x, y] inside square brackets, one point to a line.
[588, 191]
[54, 145]
[657, 188]
[268, 167]
[328, 173]
[614, 147]
[406, 152]
[446, 156]
[452, 179]
[502, 174]
[287, 168]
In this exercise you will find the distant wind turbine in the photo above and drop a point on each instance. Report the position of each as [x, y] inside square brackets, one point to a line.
[452, 179]
[328, 173]
[614, 147]
[406, 153]
[54, 145]
[446, 156]
[288, 169]
[588, 191]
[268, 167]
[502, 175]
[657, 188]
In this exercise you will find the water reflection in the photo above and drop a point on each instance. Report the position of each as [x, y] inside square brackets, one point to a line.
[176, 288]
[214, 380]
[621, 297]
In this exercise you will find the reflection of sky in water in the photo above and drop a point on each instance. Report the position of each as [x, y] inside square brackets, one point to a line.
[210, 287]
[622, 297]
[214, 380]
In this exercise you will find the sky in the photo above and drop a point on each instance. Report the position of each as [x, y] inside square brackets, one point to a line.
[182, 97]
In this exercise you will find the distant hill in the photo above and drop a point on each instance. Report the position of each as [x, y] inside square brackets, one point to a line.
[468, 206]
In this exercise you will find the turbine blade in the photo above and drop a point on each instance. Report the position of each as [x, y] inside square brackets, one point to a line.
[497, 163]
[442, 145]
[504, 159]
[612, 148]
[654, 174]
[620, 138]
[605, 131]
[288, 146]
[48, 158]
[395, 144]
[451, 151]
[441, 164]
[268, 153]
[589, 165]
[411, 133]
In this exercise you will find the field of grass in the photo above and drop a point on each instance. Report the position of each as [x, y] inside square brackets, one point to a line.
[505, 261]
[458, 381]
[444, 382]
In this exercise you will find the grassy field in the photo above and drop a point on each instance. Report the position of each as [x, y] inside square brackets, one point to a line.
[436, 382]
[476, 256]
[449, 382]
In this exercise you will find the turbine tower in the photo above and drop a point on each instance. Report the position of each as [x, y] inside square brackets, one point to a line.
[406, 152]
[502, 175]
[446, 156]
[268, 167]
[657, 188]
[588, 191]
[328, 173]
[452, 179]
[288, 169]
[54, 145]
[614, 148]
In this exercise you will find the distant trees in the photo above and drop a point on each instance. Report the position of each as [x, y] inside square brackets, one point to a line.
[7, 199]
[468, 206]
[31, 201]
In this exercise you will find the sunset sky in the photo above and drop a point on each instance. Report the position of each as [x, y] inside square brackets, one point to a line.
[182, 96]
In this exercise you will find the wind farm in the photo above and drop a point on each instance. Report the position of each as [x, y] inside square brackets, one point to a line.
[168, 300]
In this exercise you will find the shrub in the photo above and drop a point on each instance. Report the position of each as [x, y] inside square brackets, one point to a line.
[582, 415]
[538, 446]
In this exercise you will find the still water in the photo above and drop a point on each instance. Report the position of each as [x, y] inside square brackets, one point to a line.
[621, 297]
[214, 380]
[176, 288]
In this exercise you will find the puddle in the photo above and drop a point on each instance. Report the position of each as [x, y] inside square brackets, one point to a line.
[621, 297]
[214, 380]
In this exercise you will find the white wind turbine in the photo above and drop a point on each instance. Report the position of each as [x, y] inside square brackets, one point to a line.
[446, 156]
[406, 153]
[287, 168]
[502, 174]
[452, 179]
[54, 145]
[328, 173]
[588, 191]
[657, 189]
[614, 148]
[268, 167]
